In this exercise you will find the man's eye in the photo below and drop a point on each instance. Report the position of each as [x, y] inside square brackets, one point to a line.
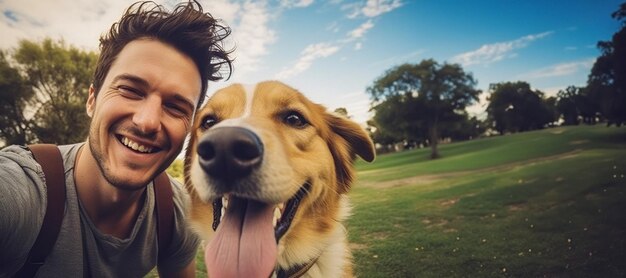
[129, 91]
[176, 110]
[295, 119]
[208, 121]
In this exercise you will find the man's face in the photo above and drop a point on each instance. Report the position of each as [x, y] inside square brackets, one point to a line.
[143, 112]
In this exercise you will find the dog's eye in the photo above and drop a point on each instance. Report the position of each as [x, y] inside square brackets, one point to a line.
[295, 119]
[208, 121]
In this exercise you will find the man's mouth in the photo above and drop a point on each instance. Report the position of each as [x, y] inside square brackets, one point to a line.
[135, 146]
[247, 233]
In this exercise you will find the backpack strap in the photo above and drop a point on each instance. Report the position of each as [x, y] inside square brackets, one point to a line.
[49, 157]
[164, 206]
[51, 161]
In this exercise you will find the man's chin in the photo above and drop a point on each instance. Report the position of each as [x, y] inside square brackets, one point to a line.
[127, 184]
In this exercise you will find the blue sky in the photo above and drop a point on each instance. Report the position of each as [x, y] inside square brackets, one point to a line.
[332, 50]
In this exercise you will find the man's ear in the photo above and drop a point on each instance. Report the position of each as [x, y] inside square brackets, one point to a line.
[91, 101]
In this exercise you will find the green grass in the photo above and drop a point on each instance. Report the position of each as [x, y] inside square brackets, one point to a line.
[483, 153]
[546, 203]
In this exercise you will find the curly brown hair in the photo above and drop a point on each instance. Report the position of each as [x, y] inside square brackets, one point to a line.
[187, 28]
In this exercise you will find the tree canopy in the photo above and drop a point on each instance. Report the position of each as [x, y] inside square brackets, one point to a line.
[515, 107]
[15, 94]
[48, 84]
[415, 101]
[607, 80]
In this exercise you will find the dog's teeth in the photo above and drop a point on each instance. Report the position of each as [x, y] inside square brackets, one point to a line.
[224, 207]
[225, 202]
[277, 216]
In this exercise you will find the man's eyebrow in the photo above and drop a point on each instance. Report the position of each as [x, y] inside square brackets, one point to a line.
[132, 78]
[185, 102]
[144, 84]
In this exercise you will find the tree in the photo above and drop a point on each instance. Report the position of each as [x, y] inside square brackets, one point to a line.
[383, 140]
[415, 100]
[342, 111]
[15, 94]
[589, 105]
[567, 105]
[514, 107]
[468, 128]
[574, 104]
[60, 77]
[607, 80]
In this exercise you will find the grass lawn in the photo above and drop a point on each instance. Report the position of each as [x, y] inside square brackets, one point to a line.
[538, 204]
[547, 203]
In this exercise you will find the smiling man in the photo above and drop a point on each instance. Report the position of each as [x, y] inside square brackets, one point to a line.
[152, 74]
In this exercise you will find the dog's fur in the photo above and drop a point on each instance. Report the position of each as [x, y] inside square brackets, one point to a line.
[318, 154]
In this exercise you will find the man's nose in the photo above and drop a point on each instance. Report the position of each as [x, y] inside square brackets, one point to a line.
[148, 115]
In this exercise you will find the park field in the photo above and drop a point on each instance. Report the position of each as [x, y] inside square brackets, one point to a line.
[547, 203]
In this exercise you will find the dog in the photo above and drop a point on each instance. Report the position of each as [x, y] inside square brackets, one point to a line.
[268, 173]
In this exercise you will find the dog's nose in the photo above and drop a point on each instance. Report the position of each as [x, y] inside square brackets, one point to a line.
[229, 153]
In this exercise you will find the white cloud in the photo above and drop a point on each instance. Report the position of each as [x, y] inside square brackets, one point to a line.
[307, 57]
[562, 69]
[296, 4]
[79, 23]
[490, 53]
[372, 8]
[361, 30]
[552, 91]
[377, 7]
[333, 27]
[251, 34]
[358, 46]
[223, 9]
[356, 103]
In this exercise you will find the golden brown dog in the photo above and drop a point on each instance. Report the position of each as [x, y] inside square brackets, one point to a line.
[268, 172]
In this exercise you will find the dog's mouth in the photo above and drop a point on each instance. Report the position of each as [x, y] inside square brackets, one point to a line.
[247, 233]
[283, 212]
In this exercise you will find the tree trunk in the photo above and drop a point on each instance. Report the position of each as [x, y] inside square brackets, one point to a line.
[434, 141]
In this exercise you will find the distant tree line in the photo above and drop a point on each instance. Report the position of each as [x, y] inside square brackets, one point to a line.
[420, 104]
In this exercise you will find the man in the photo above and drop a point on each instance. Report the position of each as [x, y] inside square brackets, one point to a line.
[151, 76]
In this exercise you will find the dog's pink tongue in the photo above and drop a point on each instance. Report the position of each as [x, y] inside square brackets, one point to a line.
[244, 244]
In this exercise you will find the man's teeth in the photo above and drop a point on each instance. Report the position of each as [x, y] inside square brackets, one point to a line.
[136, 146]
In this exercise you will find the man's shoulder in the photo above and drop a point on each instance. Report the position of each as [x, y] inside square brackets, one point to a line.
[18, 162]
[16, 153]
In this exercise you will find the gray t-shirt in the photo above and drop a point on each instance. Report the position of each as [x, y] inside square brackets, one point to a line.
[81, 250]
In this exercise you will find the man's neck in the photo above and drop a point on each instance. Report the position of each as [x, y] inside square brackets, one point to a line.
[112, 210]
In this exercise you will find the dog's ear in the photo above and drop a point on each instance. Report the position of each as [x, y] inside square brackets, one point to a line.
[348, 139]
[359, 141]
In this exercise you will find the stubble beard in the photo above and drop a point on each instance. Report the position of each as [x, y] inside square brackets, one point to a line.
[115, 181]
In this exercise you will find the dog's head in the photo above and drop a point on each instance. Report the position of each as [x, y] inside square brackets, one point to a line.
[267, 169]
